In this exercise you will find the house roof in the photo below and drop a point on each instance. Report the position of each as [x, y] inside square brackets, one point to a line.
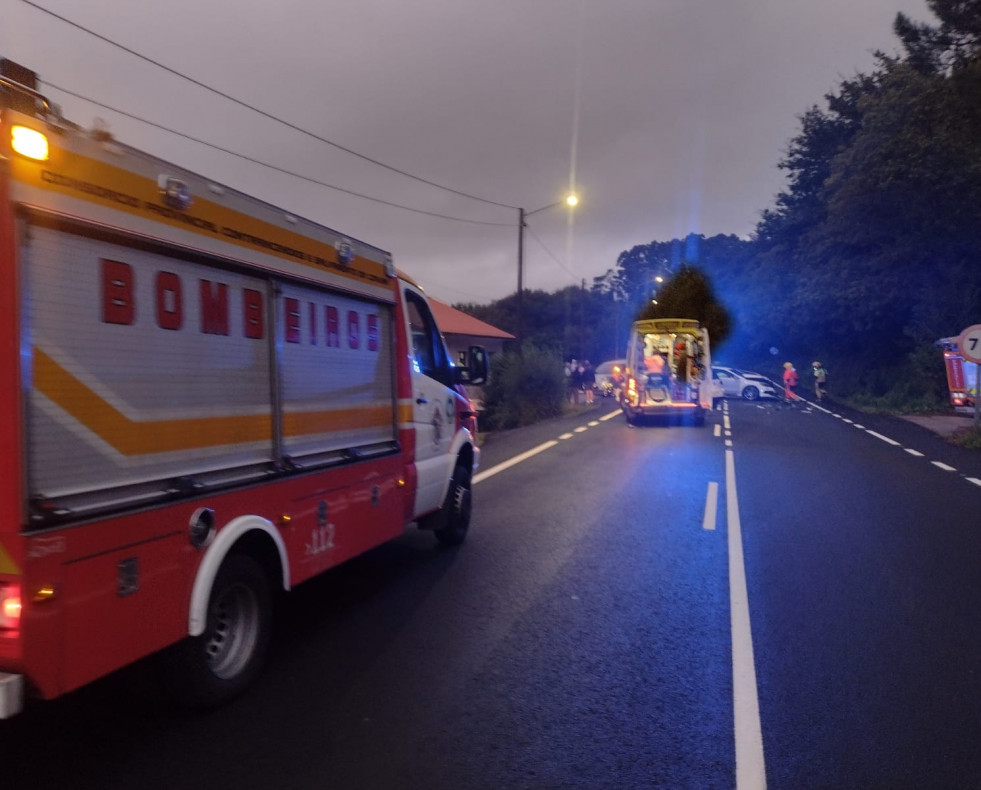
[456, 322]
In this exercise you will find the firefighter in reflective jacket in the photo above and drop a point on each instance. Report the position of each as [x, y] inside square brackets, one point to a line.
[789, 381]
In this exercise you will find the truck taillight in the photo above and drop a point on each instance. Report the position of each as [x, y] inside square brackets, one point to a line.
[10, 606]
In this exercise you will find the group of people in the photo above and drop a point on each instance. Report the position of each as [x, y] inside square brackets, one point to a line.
[581, 380]
[790, 380]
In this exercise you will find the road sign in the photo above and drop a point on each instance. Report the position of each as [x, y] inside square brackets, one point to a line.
[970, 343]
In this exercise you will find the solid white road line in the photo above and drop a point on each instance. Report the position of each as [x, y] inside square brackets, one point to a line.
[943, 466]
[711, 505]
[750, 767]
[481, 476]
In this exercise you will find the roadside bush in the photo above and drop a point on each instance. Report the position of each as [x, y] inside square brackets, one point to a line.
[523, 389]
[969, 438]
[916, 386]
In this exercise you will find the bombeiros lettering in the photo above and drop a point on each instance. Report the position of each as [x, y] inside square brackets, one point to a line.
[323, 327]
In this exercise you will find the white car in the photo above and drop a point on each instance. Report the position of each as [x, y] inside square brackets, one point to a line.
[744, 384]
[604, 376]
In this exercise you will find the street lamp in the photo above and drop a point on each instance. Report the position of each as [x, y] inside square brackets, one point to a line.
[571, 200]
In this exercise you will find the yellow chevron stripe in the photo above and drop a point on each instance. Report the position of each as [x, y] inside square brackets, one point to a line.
[132, 438]
[312, 422]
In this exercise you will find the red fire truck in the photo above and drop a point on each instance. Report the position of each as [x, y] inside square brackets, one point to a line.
[962, 375]
[205, 400]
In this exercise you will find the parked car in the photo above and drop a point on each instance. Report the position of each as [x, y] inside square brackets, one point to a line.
[738, 383]
[605, 376]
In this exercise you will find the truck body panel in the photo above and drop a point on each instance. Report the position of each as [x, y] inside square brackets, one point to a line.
[190, 373]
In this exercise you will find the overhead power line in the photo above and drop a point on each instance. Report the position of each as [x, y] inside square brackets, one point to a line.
[272, 167]
[550, 254]
[261, 112]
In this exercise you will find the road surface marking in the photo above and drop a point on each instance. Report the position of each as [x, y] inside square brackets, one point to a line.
[750, 767]
[847, 420]
[565, 435]
[728, 442]
[886, 439]
[974, 480]
[943, 466]
[917, 453]
[481, 476]
[860, 427]
[581, 428]
[592, 423]
[711, 505]
[725, 421]
[610, 416]
[717, 430]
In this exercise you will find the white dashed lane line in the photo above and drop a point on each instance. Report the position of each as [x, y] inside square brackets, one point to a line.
[894, 443]
[886, 439]
[481, 476]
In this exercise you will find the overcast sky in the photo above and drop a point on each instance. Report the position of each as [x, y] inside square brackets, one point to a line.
[669, 116]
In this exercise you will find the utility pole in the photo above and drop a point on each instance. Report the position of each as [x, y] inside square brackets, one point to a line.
[521, 274]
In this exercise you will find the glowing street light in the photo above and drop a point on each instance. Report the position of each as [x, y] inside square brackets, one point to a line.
[571, 200]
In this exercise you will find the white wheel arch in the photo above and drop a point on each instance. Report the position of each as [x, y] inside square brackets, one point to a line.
[215, 555]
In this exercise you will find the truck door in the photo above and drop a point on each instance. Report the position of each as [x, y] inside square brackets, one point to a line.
[433, 406]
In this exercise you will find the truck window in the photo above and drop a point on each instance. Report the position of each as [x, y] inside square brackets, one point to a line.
[427, 345]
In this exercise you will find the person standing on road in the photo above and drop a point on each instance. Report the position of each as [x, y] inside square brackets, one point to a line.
[790, 382]
[820, 379]
[575, 382]
[588, 381]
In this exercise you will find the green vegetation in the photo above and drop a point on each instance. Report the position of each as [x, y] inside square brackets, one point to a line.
[688, 294]
[971, 439]
[523, 389]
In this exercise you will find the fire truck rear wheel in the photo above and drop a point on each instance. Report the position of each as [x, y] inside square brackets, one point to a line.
[212, 668]
[458, 505]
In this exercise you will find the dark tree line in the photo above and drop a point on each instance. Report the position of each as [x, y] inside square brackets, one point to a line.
[870, 254]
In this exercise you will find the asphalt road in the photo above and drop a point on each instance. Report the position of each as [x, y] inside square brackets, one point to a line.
[593, 632]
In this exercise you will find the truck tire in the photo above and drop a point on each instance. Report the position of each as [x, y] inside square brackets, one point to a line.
[208, 670]
[457, 509]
